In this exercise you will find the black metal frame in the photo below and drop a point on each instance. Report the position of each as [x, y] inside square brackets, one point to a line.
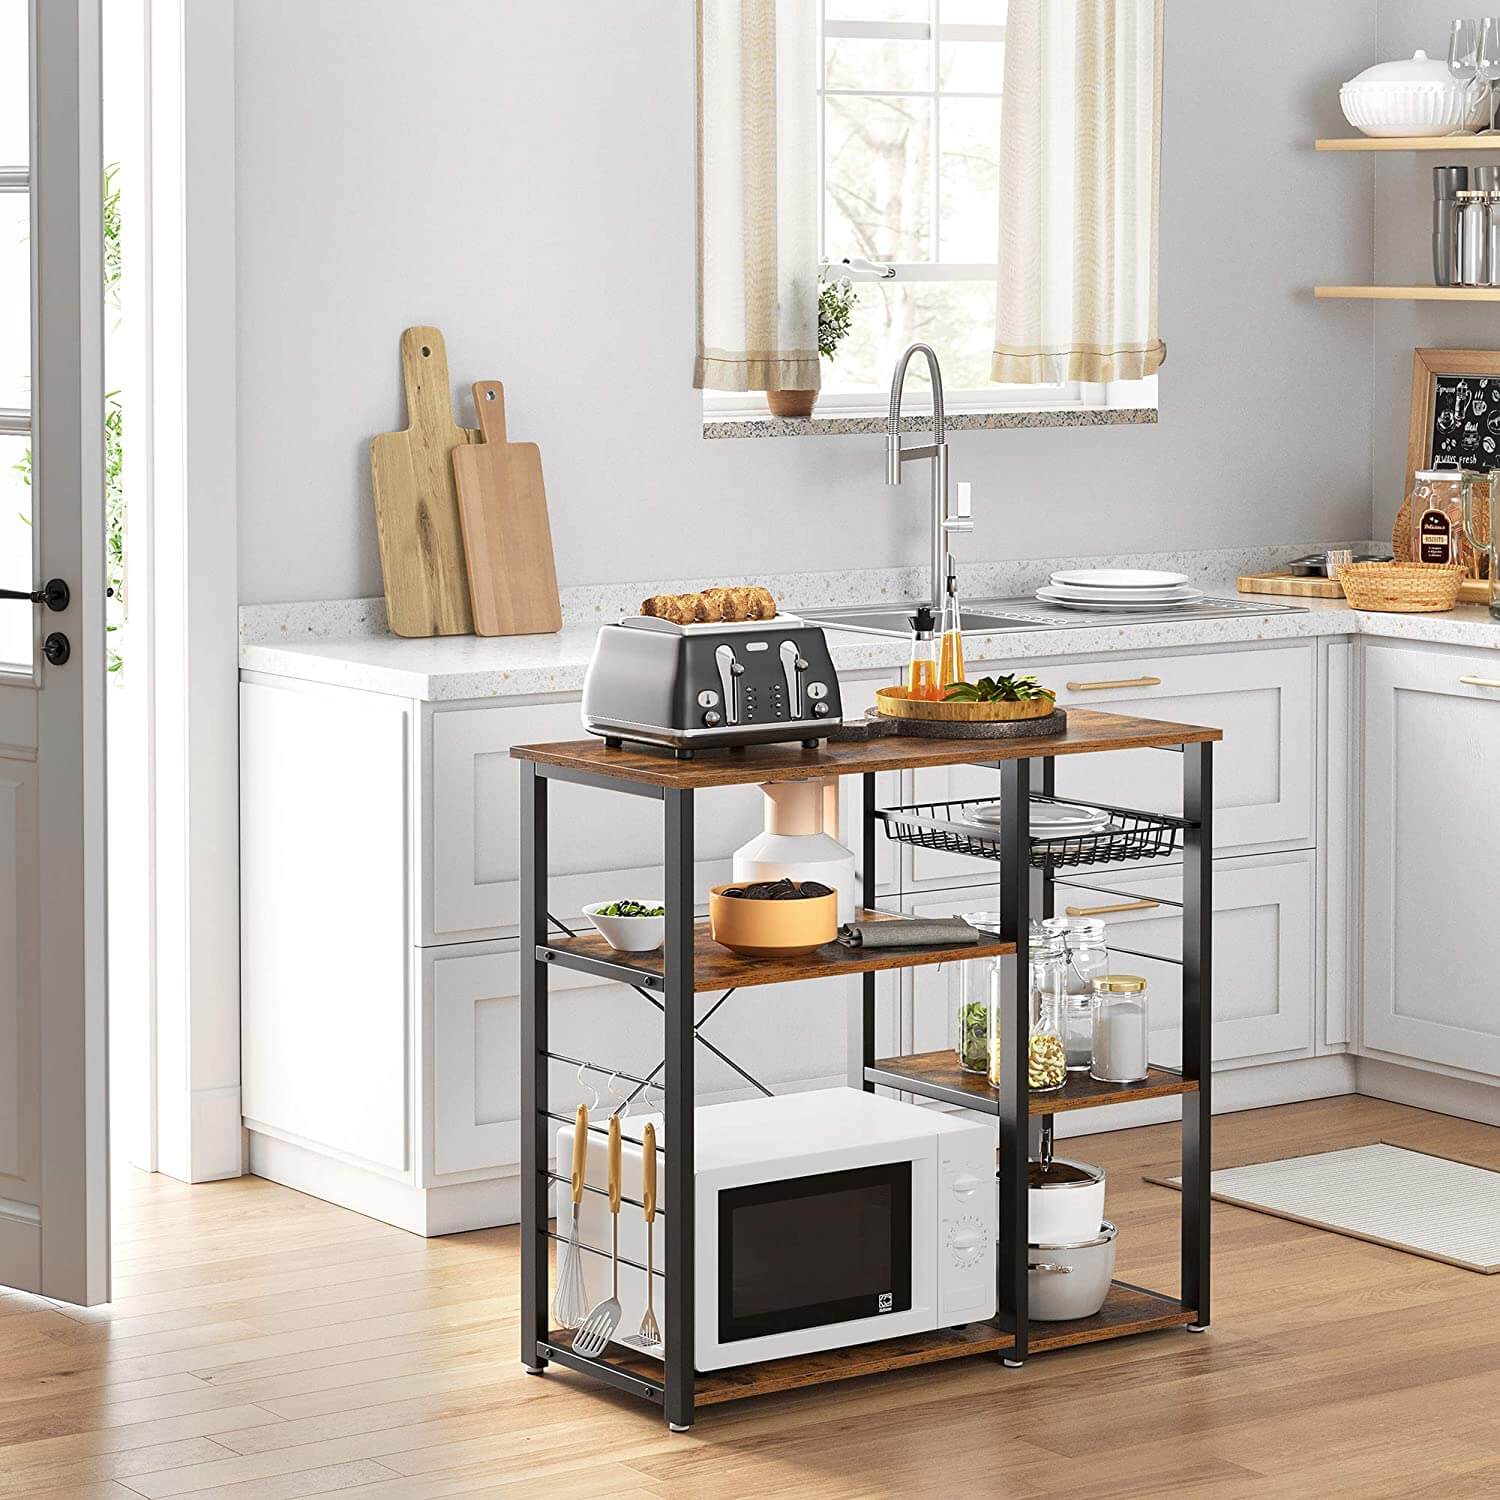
[1017, 1129]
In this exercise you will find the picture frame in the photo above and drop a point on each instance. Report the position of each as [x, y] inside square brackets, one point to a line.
[1437, 431]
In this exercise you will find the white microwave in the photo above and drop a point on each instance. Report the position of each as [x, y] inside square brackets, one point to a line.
[824, 1219]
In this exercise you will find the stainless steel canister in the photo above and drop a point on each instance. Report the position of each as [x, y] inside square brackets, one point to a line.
[1447, 182]
[1494, 236]
[1473, 238]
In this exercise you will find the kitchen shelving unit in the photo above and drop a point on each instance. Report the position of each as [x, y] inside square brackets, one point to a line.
[690, 963]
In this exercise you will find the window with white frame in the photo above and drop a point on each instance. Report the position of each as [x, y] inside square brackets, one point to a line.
[909, 99]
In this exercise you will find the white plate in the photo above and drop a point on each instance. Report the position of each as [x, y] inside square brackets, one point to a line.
[1119, 578]
[1178, 594]
[1046, 819]
[1118, 606]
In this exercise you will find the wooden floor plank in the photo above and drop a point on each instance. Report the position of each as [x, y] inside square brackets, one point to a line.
[268, 1347]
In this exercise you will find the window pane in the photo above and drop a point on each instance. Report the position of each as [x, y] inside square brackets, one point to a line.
[15, 300]
[15, 554]
[15, 85]
[876, 10]
[858, 62]
[878, 186]
[973, 12]
[972, 67]
[970, 180]
[956, 317]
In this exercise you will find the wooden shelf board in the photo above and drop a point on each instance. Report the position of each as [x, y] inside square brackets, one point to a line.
[716, 968]
[1127, 1310]
[1089, 731]
[1409, 143]
[1412, 293]
[938, 1075]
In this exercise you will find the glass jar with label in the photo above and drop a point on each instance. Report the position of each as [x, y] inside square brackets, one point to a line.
[1088, 957]
[1437, 516]
[1122, 1029]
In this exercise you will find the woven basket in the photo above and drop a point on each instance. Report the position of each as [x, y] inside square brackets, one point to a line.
[898, 703]
[1402, 588]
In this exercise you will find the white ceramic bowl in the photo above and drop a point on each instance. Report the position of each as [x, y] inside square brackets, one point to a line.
[629, 934]
[1407, 109]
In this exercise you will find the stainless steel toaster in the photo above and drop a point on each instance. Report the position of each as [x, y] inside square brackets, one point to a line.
[695, 686]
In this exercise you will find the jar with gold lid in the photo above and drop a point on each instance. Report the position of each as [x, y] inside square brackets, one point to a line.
[1122, 1029]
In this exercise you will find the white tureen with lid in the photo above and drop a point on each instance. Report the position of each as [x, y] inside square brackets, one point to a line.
[1412, 96]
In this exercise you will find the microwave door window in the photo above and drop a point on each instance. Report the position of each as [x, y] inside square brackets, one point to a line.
[808, 1251]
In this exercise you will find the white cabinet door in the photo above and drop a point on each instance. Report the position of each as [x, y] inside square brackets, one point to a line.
[1263, 973]
[603, 845]
[1431, 838]
[1263, 700]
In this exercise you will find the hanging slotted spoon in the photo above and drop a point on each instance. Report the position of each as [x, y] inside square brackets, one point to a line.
[591, 1339]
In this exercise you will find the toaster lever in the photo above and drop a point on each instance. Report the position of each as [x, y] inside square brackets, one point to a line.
[792, 668]
[730, 669]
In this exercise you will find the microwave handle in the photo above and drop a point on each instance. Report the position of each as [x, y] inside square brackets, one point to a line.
[648, 1173]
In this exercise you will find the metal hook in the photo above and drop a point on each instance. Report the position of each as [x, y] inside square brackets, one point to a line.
[622, 1107]
[583, 1068]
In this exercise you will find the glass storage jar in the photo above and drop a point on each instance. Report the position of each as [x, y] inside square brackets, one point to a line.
[971, 985]
[1088, 957]
[1437, 525]
[1122, 1029]
[1046, 1057]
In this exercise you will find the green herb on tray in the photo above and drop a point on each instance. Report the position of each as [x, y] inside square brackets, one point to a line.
[1007, 689]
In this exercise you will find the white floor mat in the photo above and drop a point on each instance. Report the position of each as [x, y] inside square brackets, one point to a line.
[1425, 1205]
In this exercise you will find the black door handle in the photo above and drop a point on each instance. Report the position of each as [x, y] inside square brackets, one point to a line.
[55, 594]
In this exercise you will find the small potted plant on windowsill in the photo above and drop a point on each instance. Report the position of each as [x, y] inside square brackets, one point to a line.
[836, 301]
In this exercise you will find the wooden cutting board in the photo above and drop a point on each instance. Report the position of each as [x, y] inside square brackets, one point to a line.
[416, 506]
[502, 506]
[1290, 584]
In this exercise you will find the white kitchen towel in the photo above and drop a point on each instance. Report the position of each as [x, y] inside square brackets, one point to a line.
[1407, 1200]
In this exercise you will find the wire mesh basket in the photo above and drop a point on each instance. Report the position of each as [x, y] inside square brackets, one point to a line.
[1129, 836]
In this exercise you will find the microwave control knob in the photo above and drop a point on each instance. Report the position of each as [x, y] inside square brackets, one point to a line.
[965, 1185]
[966, 1243]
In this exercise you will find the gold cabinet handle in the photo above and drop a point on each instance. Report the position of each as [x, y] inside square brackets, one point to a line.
[1099, 687]
[1103, 911]
[1493, 682]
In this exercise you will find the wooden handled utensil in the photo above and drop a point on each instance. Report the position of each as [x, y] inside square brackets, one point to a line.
[502, 506]
[649, 1332]
[591, 1339]
[416, 504]
[572, 1301]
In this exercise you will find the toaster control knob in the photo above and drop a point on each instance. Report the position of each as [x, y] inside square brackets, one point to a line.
[737, 667]
[817, 690]
[801, 663]
[820, 709]
[708, 699]
[711, 718]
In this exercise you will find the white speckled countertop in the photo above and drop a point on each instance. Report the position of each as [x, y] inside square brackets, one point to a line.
[345, 644]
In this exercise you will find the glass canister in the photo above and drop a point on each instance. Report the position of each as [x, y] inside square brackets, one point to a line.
[1122, 1029]
[1437, 516]
[1482, 527]
[1088, 957]
[1046, 1057]
[972, 983]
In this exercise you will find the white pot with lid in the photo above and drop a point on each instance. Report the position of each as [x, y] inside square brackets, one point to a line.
[1412, 96]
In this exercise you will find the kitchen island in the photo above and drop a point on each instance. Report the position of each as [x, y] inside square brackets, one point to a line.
[381, 970]
[690, 963]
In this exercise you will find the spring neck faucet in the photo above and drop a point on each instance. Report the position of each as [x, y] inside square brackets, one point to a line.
[898, 453]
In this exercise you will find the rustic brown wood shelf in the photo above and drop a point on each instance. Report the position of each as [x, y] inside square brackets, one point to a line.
[937, 1075]
[1127, 1310]
[716, 968]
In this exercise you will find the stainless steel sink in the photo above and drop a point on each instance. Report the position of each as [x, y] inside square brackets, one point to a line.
[1006, 615]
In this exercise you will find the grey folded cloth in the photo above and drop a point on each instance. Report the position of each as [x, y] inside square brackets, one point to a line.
[908, 932]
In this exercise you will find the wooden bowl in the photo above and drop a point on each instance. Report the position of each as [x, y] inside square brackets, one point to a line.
[898, 703]
[771, 929]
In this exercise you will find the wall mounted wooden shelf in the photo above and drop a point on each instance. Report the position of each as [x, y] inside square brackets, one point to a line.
[1412, 293]
[1410, 143]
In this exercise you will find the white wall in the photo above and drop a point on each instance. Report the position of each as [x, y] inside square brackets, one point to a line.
[1403, 254]
[520, 174]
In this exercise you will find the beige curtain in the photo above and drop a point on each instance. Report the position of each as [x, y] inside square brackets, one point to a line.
[1080, 155]
[757, 195]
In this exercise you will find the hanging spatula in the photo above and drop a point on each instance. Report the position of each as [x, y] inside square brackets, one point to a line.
[591, 1340]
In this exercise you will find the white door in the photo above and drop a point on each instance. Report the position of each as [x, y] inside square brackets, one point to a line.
[54, 1205]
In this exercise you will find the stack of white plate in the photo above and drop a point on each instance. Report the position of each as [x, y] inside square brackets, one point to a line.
[1051, 820]
[1118, 589]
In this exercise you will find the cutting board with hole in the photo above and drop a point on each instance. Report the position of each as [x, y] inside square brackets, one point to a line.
[416, 504]
[502, 506]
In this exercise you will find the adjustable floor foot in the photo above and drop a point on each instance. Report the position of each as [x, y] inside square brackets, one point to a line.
[1197, 1327]
[1011, 1364]
[676, 1427]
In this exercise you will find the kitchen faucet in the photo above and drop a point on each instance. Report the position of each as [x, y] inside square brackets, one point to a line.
[898, 453]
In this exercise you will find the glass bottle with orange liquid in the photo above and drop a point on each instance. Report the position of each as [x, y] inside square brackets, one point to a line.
[922, 672]
[951, 649]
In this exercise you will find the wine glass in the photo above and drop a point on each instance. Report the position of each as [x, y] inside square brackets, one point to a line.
[1487, 62]
[1463, 53]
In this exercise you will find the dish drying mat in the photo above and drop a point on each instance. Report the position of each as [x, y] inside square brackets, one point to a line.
[1389, 1195]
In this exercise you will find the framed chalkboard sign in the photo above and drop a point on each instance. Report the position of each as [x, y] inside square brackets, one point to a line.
[1455, 410]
